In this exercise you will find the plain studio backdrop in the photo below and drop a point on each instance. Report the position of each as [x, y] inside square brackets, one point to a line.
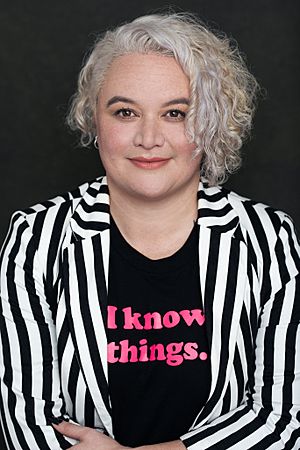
[42, 46]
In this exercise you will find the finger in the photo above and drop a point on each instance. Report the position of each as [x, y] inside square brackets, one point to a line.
[70, 430]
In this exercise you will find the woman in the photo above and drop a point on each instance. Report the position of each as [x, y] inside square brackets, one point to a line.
[151, 308]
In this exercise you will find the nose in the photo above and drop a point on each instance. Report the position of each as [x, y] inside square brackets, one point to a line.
[148, 134]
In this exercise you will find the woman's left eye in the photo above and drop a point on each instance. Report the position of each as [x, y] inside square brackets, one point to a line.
[176, 114]
[124, 113]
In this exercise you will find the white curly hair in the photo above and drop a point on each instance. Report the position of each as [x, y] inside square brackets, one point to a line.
[222, 90]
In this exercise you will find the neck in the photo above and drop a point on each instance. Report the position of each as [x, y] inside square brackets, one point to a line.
[156, 228]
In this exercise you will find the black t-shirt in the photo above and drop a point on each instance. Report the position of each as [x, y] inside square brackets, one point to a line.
[159, 371]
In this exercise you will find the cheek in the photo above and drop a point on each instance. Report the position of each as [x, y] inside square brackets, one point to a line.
[112, 138]
[108, 140]
[187, 152]
[178, 140]
[191, 162]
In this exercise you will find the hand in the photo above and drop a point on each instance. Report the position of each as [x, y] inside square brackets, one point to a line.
[89, 439]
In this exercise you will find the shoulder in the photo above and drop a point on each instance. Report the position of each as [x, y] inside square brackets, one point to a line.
[37, 234]
[254, 213]
[235, 209]
[264, 227]
[58, 209]
[45, 224]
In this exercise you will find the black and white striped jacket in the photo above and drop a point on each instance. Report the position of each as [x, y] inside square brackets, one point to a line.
[53, 360]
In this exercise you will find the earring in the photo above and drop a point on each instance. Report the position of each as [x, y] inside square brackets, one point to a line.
[96, 142]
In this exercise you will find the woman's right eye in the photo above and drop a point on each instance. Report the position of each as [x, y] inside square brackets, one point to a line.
[124, 113]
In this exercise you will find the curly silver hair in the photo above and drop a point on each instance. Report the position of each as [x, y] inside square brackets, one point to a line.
[222, 91]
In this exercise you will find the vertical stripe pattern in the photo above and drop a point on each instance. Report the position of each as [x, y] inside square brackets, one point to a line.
[53, 360]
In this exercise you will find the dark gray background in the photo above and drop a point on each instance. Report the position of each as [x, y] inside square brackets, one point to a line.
[42, 45]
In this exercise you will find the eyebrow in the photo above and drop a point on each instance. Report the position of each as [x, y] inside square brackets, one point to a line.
[176, 101]
[118, 98]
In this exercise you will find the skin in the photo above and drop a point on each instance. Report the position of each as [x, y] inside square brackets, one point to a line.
[141, 114]
[160, 202]
[90, 439]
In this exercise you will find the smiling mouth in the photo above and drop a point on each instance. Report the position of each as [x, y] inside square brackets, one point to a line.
[149, 163]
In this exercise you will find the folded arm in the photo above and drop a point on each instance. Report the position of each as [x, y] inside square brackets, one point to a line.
[269, 418]
[29, 374]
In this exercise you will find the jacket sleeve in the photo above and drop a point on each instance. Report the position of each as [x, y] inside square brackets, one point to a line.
[270, 418]
[29, 373]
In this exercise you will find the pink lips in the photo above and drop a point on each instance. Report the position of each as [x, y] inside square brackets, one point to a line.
[149, 163]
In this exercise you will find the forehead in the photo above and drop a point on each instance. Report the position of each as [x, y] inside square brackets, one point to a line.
[145, 74]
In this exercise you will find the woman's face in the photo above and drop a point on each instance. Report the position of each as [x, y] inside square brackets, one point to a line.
[140, 125]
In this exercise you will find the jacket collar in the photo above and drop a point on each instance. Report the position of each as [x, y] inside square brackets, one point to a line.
[91, 215]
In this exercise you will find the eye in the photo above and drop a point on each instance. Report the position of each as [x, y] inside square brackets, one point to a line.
[124, 113]
[176, 114]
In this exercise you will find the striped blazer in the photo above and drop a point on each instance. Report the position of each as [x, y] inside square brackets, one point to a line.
[53, 348]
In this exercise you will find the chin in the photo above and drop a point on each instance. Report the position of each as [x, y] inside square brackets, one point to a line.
[150, 195]
[150, 192]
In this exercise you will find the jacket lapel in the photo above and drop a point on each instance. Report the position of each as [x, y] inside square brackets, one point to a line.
[223, 275]
[85, 281]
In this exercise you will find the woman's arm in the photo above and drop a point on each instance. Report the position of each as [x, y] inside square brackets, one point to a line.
[269, 419]
[29, 374]
[90, 439]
